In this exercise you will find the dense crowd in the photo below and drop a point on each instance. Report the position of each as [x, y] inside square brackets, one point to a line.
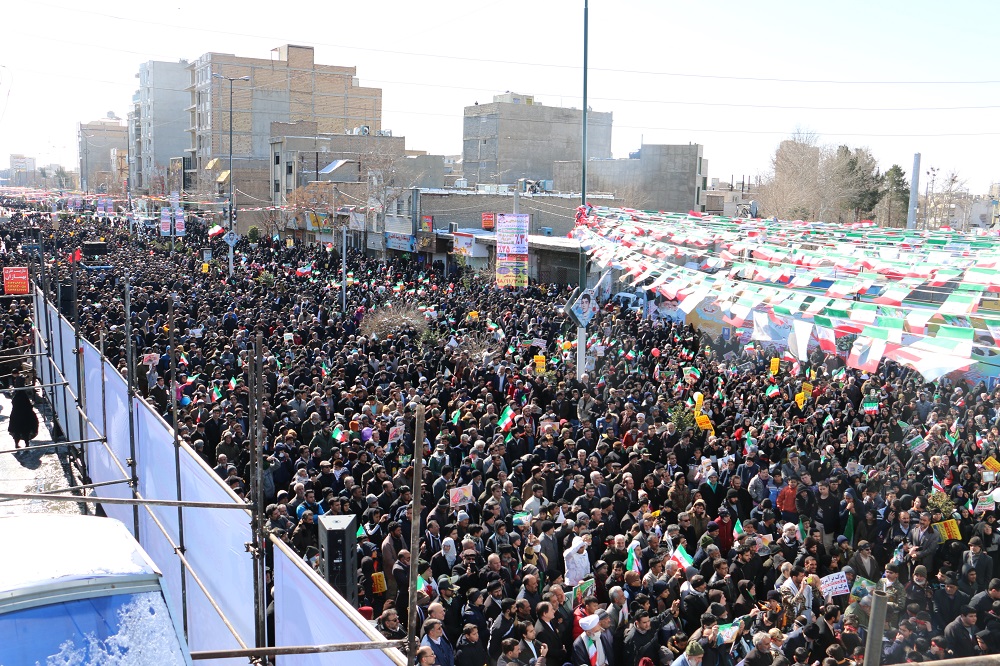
[596, 522]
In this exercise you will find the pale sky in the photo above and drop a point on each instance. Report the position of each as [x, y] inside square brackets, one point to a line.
[737, 77]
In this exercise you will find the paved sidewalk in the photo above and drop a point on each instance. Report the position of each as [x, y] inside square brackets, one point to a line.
[33, 470]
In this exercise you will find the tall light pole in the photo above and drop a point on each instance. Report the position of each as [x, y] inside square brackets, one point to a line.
[232, 206]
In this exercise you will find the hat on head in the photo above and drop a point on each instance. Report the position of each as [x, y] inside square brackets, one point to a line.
[589, 622]
[694, 649]
[712, 526]
[864, 545]
[462, 515]
[920, 570]
[847, 570]
[842, 539]
[774, 595]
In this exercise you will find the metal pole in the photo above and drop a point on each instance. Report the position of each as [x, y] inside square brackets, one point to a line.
[130, 380]
[911, 213]
[876, 628]
[177, 459]
[90, 499]
[418, 475]
[86, 486]
[52, 445]
[583, 184]
[81, 396]
[258, 511]
[232, 207]
[296, 649]
[581, 332]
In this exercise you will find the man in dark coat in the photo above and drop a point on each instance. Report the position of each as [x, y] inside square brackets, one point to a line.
[960, 634]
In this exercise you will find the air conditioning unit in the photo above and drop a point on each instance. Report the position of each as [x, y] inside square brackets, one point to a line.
[365, 130]
[452, 227]
[461, 182]
[546, 231]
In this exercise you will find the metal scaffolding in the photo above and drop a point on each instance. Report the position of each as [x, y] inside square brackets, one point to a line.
[51, 377]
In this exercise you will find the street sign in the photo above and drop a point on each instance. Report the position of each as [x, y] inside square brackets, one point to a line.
[231, 238]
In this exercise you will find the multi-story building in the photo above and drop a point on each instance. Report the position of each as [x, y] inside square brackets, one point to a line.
[656, 177]
[157, 124]
[100, 142]
[369, 171]
[515, 137]
[22, 171]
[288, 87]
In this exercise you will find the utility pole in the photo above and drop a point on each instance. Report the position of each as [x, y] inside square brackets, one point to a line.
[418, 475]
[232, 202]
[581, 331]
[343, 254]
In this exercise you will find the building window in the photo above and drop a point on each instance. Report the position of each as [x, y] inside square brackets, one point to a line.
[277, 158]
[277, 186]
[288, 168]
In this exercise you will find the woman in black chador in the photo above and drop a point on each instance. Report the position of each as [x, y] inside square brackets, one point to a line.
[23, 423]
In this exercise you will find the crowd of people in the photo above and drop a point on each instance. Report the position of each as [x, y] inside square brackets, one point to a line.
[593, 522]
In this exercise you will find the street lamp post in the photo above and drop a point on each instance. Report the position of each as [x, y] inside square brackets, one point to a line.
[232, 207]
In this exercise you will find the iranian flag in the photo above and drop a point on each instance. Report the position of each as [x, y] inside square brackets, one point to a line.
[216, 231]
[839, 374]
[216, 394]
[456, 416]
[339, 435]
[232, 383]
[979, 441]
[506, 419]
[916, 444]
[738, 529]
[866, 354]
[935, 484]
[827, 339]
[692, 374]
[682, 558]
[305, 270]
[870, 407]
[772, 392]
[633, 562]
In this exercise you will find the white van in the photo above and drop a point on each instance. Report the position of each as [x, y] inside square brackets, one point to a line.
[80, 590]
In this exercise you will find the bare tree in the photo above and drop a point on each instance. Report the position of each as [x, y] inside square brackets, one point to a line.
[390, 320]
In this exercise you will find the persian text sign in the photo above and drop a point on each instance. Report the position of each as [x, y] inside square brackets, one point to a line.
[512, 234]
[15, 280]
[512, 270]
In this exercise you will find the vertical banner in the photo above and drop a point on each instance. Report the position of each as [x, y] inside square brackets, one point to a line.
[179, 224]
[15, 280]
[512, 250]
[165, 220]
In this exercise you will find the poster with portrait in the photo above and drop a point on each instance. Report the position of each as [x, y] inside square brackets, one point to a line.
[585, 307]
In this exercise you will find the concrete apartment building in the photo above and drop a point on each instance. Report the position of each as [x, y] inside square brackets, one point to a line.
[369, 171]
[22, 171]
[157, 124]
[515, 137]
[100, 142]
[656, 177]
[287, 87]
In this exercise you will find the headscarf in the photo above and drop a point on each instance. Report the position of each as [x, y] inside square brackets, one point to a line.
[448, 549]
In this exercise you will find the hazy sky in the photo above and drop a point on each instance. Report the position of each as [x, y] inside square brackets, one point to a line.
[898, 77]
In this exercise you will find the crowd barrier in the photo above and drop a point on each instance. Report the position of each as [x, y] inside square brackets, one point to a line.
[307, 610]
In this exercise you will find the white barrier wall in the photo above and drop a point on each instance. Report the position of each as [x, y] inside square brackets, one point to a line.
[214, 538]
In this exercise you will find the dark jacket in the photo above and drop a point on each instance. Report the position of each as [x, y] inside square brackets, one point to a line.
[960, 641]
[470, 654]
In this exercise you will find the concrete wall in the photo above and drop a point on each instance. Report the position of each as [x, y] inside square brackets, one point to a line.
[502, 142]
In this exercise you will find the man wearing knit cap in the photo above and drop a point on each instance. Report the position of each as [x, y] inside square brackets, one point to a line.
[592, 647]
[692, 656]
